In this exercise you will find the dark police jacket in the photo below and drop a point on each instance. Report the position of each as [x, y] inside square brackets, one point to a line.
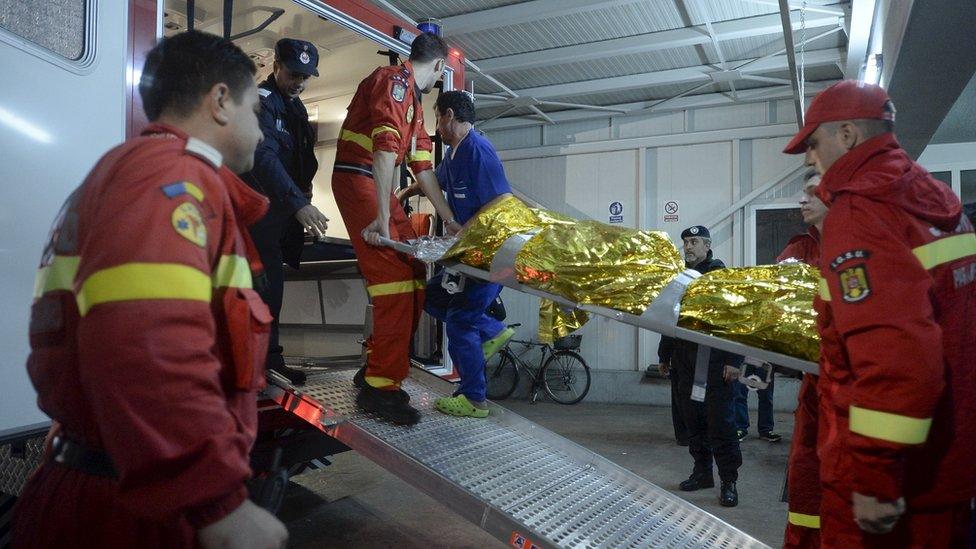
[670, 346]
[284, 162]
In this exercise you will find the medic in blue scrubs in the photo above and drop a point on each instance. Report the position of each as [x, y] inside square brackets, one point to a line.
[471, 175]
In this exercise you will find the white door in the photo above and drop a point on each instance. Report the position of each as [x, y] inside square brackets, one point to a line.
[62, 106]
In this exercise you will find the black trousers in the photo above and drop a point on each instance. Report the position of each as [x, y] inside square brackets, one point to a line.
[677, 414]
[273, 235]
[711, 429]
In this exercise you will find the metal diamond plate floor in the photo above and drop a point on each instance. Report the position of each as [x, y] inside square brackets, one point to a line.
[514, 478]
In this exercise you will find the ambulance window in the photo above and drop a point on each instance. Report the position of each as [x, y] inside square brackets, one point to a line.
[945, 177]
[968, 186]
[58, 26]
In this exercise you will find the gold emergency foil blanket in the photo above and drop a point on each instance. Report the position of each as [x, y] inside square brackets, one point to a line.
[556, 321]
[487, 231]
[597, 264]
[587, 262]
[768, 306]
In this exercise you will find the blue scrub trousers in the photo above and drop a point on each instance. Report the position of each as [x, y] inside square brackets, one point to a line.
[468, 326]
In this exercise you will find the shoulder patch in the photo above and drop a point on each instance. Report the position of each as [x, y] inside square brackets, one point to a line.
[398, 91]
[848, 256]
[854, 283]
[189, 224]
[263, 92]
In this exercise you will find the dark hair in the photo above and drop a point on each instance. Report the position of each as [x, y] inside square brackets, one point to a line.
[183, 68]
[459, 102]
[427, 47]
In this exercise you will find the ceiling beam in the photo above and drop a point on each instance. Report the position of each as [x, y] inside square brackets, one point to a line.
[523, 12]
[695, 101]
[859, 39]
[686, 75]
[689, 36]
[784, 12]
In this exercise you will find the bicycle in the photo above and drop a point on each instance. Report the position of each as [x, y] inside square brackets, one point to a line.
[561, 373]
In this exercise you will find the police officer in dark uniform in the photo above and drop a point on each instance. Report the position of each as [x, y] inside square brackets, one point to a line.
[709, 424]
[284, 165]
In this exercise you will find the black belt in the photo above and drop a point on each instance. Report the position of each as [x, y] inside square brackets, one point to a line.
[357, 169]
[74, 455]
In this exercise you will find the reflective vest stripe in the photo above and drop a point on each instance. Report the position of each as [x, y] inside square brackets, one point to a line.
[824, 289]
[888, 426]
[363, 141]
[381, 129]
[140, 281]
[806, 521]
[233, 271]
[392, 288]
[419, 156]
[58, 275]
[946, 250]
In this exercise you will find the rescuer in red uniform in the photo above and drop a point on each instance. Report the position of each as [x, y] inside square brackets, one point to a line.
[385, 126]
[803, 484]
[147, 341]
[897, 322]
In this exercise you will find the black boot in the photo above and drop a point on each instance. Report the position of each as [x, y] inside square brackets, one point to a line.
[294, 375]
[729, 496]
[359, 380]
[697, 481]
[387, 404]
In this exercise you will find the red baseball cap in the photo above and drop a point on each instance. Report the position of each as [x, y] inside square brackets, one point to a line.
[845, 100]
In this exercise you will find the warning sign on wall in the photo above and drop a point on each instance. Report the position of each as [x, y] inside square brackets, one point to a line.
[671, 211]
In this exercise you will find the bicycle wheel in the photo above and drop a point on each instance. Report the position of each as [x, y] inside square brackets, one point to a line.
[566, 377]
[501, 375]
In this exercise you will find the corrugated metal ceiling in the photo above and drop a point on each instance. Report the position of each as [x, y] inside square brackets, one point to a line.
[615, 19]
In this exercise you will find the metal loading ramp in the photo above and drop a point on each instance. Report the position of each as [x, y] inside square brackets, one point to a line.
[521, 483]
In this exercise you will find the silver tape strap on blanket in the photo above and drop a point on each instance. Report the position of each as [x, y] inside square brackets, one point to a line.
[503, 264]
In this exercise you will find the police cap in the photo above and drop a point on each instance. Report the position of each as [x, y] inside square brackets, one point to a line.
[698, 230]
[298, 55]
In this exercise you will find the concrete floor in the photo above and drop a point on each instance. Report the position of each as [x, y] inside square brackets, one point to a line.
[355, 503]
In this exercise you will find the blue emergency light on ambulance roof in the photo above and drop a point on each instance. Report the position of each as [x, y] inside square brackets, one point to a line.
[430, 25]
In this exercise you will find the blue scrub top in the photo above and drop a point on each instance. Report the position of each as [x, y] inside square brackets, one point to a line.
[473, 178]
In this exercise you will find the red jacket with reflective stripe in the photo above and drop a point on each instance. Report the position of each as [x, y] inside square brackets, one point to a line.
[386, 115]
[147, 340]
[898, 333]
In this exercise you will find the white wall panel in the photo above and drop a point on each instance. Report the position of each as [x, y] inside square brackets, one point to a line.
[577, 132]
[516, 138]
[699, 178]
[648, 124]
[733, 116]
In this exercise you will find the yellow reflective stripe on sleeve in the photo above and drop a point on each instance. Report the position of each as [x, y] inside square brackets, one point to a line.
[806, 521]
[419, 156]
[381, 129]
[233, 271]
[363, 141]
[890, 427]
[59, 275]
[391, 288]
[946, 250]
[419, 284]
[140, 281]
[824, 289]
